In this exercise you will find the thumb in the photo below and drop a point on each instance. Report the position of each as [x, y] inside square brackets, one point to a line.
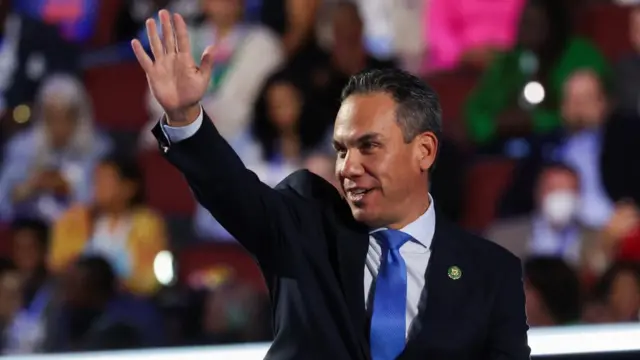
[206, 61]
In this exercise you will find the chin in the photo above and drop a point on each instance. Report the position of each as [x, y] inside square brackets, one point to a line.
[365, 216]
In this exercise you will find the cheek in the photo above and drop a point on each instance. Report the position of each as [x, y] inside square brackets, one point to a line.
[104, 190]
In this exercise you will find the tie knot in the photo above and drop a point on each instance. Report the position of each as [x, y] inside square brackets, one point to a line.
[393, 239]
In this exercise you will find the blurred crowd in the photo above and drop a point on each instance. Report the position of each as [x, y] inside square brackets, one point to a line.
[104, 247]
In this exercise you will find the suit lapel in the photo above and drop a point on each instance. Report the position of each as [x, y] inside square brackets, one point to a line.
[352, 246]
[445, 291]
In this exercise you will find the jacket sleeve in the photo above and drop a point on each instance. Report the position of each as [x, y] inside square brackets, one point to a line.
[253, 212]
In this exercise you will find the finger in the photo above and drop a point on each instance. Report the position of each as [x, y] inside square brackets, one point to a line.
[182, 35]
[143, 58]
[154, 39]
[167, 32]
[206, 62]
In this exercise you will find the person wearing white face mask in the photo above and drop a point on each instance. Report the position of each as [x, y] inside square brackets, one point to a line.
[559, 207]
[553, 229]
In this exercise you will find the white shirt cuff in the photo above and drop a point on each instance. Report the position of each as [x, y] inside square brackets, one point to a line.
[178, 133]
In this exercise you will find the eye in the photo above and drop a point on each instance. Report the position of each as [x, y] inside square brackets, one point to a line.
[368, 147]
[341, 153]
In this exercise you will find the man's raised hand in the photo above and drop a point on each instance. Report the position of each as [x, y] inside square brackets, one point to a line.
[175, 80]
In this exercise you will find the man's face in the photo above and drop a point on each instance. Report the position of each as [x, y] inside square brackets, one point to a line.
[379, 173]
[61, 120]
[584, 104]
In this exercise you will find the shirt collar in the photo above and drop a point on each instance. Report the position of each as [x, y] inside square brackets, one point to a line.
[423, 228]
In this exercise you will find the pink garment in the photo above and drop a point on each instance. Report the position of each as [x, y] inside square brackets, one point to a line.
[455, 26]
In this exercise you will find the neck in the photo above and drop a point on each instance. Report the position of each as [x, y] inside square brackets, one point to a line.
[415, 210]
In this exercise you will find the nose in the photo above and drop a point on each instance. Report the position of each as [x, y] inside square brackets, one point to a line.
[351, 165]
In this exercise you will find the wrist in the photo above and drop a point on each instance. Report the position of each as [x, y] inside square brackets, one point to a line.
[184, 116]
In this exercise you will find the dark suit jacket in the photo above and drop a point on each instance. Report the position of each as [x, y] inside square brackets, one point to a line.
[312, 254]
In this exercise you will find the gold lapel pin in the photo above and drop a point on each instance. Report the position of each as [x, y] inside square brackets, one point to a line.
[454, 273]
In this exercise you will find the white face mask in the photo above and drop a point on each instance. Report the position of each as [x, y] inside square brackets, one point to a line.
[559, 207]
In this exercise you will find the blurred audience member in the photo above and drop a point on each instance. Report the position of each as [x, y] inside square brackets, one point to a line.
[408, 18]
[294, 21]
[596, 140]
[520, 92]
[378, 19]
[627, 71]
[469, 31]
[554, 229]
[30, 50]
[347, 56]
[285, 128]
[594, 130]
[552, 291]
[245, 57]
[49, 166]
[91, 309]
[117, 226]
[585, 111]
[75, 19]
[10, 299]
[29, 249]
[619, 291]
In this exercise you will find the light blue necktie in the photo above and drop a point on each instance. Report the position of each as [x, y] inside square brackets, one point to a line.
[388, 322]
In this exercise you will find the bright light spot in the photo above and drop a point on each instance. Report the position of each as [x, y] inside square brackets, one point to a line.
[163, 267]
[534, 92]
[21, 114]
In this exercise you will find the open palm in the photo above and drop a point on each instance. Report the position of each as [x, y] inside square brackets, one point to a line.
[175, 80]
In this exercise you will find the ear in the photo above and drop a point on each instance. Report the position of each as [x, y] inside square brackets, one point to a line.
[427, 149]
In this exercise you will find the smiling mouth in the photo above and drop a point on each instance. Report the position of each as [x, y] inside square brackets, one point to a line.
[357, 195]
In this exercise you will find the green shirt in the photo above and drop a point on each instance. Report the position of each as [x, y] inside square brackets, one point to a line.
[503, 80]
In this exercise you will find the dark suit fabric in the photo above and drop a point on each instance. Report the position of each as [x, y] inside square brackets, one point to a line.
[312, 254]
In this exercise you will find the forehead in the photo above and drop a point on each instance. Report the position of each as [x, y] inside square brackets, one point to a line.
[366, 113]
[281, 88]
[582, 83]
[559, 178]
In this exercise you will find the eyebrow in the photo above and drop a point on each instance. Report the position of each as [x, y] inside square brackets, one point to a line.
[365, 138]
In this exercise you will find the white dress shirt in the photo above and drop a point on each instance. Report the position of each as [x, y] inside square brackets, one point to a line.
[415, 252]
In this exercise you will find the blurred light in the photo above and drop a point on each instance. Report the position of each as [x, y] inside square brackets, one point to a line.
[534, 92]
[163, 267]
[21, 114]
